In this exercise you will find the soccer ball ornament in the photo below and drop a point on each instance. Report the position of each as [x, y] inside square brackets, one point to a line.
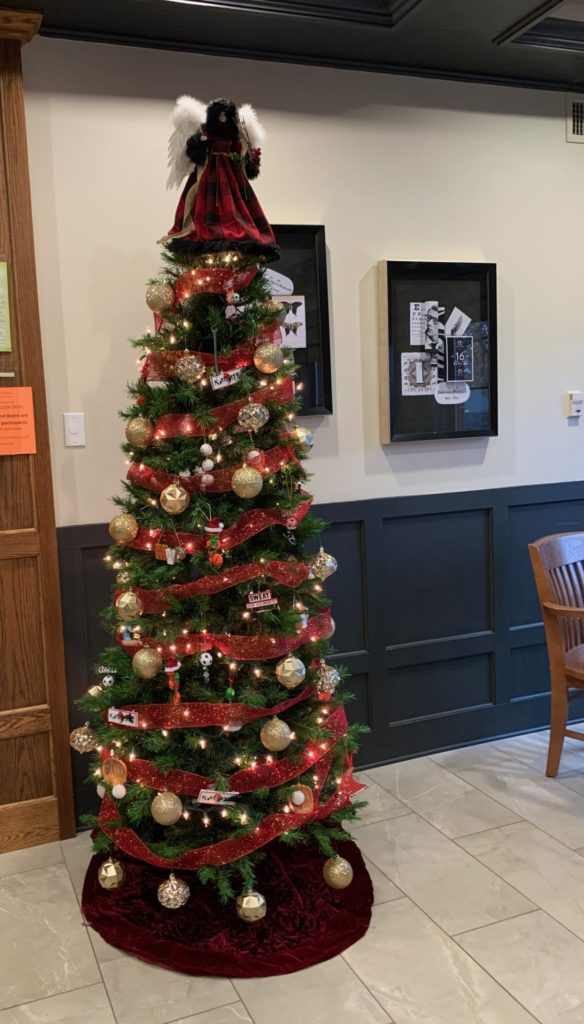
[123, 528]
[139, 431]
[166, 808]
[147, 663]
[276, 735]
[173, 893]
[253, 416]
[111, 874]
[129, 606]
[83, 739]
[322, 565]
[337, 872]
[246, 482]
[159, 297]
[290, 672]
[174, 499]
[268, 358]
[189, 369]
[251, 906]
[327, 680]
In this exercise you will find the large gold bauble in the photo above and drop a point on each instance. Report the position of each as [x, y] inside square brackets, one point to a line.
[174, 499]
[159, 297]
[268, 358]
[327, 679]
[251, 906]
[166, 808]
[83, 739]
[323, 565]
[275, 310]
[173, 893]
[147, 663]
[129, 606]
[337, 872]
[290, 672]
[111, 874]
[276, 735]
[189, 369]
[139, 431]
[253, 416]
[247, 482]
[123, 528]
[305, 439]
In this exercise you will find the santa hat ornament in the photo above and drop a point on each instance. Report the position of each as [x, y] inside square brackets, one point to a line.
[214, 525]
[171, 668]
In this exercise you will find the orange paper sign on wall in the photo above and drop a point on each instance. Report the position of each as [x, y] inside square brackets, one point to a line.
[17, 436]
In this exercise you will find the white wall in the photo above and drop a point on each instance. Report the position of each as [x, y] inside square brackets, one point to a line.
[395, 167]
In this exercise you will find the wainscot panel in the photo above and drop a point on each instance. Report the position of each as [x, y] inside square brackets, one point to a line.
[436, 615]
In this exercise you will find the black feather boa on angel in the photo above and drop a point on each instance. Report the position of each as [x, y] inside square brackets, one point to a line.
[219, 148]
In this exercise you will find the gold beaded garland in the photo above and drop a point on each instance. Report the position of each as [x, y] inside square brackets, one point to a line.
[189, 369]
[337, 872]
[123, 528]
[173, 893]
[290, 672]
[251, 906]
[147, 663]
[323, 565]
[83, 739]
[246, 482]
[111, 874]
[253, 416]
[129, 606]
[166, 808]
[276, 735]
[139, 431]
[268, 358]
[159, 297]
[174, 499]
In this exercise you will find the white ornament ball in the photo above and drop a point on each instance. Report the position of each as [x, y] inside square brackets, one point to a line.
[298, 798]
[101, 790]
[207, 479]
[208, 465]
[118, 791]
[206, 449]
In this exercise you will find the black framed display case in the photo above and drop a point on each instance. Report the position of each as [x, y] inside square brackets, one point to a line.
[299, 280]
[438, 350]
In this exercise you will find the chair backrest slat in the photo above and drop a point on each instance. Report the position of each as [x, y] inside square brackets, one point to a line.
[558, 566]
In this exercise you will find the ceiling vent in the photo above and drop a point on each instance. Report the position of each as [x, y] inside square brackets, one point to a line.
[575, 119]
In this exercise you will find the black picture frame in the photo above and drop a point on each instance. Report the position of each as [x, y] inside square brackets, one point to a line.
[303, 260]
[438, 342]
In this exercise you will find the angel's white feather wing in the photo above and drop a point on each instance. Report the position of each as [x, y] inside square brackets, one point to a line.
[251, 125]
[187, 117]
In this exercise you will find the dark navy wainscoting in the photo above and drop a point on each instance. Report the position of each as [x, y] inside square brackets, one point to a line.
[436, 612]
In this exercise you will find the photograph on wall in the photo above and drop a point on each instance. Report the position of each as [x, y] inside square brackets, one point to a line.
[299, 281]
[438, 338]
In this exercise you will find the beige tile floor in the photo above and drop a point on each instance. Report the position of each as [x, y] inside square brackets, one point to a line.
[477, 862]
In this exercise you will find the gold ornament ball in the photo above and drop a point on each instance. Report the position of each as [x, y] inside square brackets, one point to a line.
[253, 416]
[189, 369]
[83, 739]
[159, 297]
[123, 578]
[111, 874]
[290, 672]
[327, 679]
[129, 606]
[147, 663]
[247, 482]
[139, 431]
[174, 499]
[323, 565]
[251, 906]
[276, 735]
[166, 808]
[268, 358]
[305, 439]
[275, 310]
[173, 893]
[123, 528]
[337, 872]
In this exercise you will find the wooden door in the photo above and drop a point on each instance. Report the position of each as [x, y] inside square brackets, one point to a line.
[35, 778]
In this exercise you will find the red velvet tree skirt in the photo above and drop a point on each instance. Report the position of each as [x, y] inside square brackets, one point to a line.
[307, 921]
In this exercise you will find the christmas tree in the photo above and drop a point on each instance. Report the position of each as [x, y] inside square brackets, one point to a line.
[218, 731]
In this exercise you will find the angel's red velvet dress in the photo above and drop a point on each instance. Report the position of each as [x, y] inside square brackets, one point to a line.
[218, 209]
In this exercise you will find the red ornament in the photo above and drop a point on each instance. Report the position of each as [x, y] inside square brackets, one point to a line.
[141, 400]
[212, 279]
[216, 559]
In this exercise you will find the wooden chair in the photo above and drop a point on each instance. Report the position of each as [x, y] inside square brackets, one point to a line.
[558, 567]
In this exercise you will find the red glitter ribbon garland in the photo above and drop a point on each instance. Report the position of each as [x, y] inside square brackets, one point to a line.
[248, 525]
[186, 425]
[154, 480]
[290, 574]
[161, 365]
[245, 781]
[229, 849]
[241, 648]
[212, 279]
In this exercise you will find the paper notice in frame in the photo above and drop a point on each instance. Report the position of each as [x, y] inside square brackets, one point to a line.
[459, 358]
[5, 339]
[293, 330]
[419, 375]
[17, 434]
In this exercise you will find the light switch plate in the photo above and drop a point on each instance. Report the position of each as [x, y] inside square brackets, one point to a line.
[74, 423]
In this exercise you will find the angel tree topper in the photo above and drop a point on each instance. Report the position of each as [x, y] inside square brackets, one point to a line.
[218, 147]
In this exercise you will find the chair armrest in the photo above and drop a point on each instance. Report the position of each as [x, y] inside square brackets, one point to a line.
[564, 611]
